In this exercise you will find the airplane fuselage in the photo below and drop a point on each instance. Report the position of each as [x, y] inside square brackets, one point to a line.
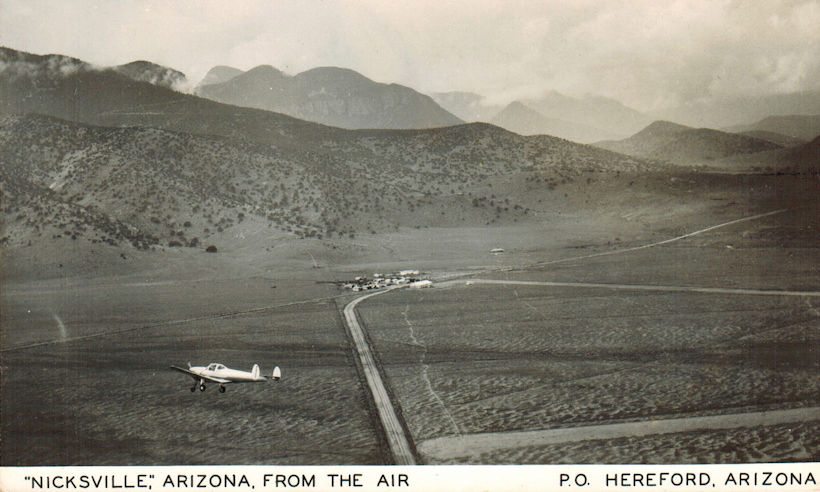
[229, 375]
[221, 375]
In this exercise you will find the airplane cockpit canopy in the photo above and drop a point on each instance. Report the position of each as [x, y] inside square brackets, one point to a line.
[215, 367]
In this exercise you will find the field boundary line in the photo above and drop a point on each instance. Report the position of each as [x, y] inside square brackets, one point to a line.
[660, 288]
[473, 445]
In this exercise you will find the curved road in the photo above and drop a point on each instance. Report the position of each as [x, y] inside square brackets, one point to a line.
[396, 437]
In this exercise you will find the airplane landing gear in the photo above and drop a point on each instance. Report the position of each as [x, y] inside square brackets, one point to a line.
[221, 389]
[193, 388]
[201, 387]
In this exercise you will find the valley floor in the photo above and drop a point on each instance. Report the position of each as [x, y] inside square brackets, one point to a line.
[85, 354]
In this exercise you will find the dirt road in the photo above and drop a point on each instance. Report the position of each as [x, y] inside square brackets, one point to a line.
[661, 288]
[396, 437]
[473, 445]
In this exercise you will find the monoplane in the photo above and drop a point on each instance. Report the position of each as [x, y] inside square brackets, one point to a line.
[219, 374]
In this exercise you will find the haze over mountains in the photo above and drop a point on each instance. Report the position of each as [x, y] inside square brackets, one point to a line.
[722, 113]
[522, 119]
[343, 98]
[131, 162]
[107, 161]
[467, 105]
[585, 120]
[592, 119]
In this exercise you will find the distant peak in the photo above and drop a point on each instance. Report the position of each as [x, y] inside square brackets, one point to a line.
[265, 70]
[519, 106]
[224, 68]
[333, 73]
[152, 73]
[220, 74]
[140, 64]
[662, 127]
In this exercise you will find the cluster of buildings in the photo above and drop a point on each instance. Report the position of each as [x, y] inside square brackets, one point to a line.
[410, 278]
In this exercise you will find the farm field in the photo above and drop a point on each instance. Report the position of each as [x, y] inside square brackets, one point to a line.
[497, 358]
[779, 443]
[85, 356]
[85, 359]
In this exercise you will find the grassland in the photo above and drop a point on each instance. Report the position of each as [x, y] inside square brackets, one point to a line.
[98, 390]
[85, 350]
[499, 358]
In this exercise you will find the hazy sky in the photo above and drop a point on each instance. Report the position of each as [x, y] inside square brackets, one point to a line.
[647, 54]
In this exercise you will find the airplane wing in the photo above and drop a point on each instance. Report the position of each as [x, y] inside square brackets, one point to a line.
[197, 377]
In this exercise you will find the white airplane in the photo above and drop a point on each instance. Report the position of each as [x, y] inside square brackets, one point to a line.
[221, 375]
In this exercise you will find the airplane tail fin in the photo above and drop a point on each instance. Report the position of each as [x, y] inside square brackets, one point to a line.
[277, 374]
[255, 371]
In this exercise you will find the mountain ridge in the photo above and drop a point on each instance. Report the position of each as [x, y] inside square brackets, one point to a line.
[333, 96]
[522, 119]
[683, 145]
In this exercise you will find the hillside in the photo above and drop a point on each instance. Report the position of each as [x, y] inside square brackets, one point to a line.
[116, 163]
[151, 187]
[679, 144]
[800, 159]
[776, 138]
[804, 127]
[523, 120]
[332, 96]
[647, 140]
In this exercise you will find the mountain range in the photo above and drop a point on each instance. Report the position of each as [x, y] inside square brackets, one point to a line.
[96, 155]
[594, 118]
[519, 118]
[329, 95]
[585, 120]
